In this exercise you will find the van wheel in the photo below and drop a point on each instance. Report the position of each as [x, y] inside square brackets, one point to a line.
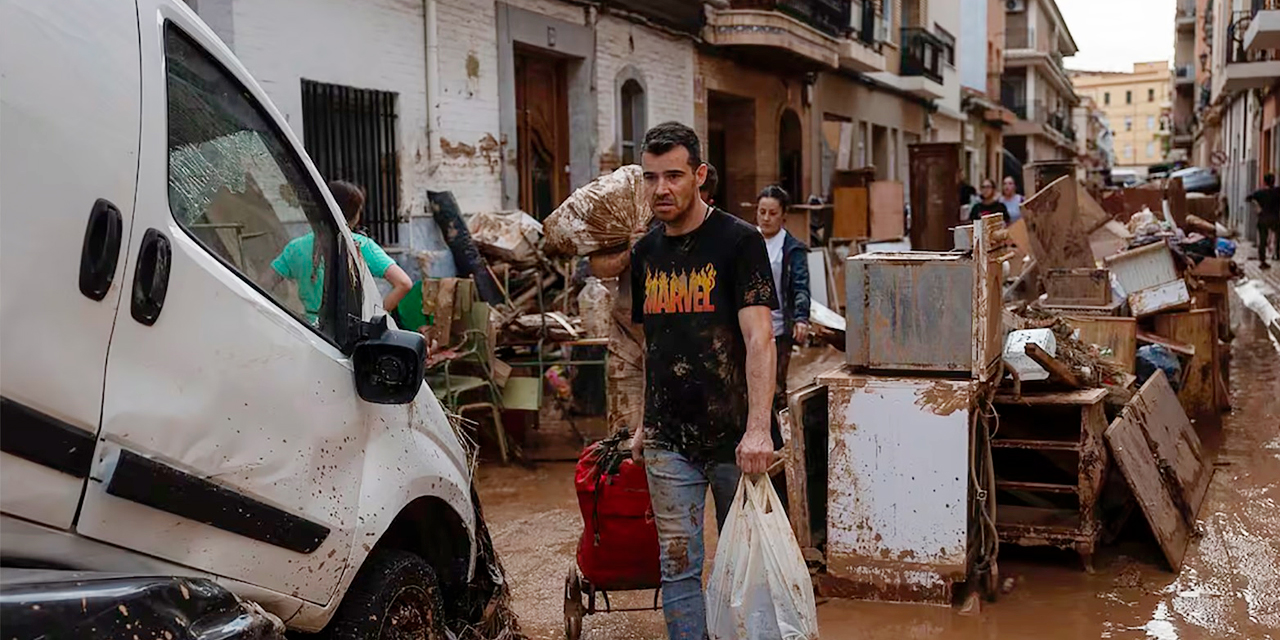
[395, 596]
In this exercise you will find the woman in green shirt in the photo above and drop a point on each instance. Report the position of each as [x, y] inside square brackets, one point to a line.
[296, 261]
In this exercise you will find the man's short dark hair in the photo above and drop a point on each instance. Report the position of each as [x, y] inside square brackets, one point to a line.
[1269, 179]
[669, 135]
[709, 185]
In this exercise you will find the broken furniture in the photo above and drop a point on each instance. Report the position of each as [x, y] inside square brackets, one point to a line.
[460, 373]
[1149, 279]
[1050, 462]
[898, 484]
[1163, 463]
[924, 338]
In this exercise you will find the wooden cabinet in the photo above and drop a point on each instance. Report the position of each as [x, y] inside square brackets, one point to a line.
[1050, 461]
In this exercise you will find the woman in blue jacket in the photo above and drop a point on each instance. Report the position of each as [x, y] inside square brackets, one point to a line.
[789, 260]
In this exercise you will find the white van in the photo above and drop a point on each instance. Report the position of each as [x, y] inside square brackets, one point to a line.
[171, 406]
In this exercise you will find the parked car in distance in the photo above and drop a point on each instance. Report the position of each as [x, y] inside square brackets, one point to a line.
[1198, 179]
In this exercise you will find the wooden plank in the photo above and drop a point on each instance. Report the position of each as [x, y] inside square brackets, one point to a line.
[1141, 471]
[1163, 462]
[1175, 442]
[1176, 196]
[1081, 397]
[1109, 239]
[1091, 213]
[850, 218]
[1058, 237]
[796, 469]
[1120, 335]
[1199, 392]
[887, 200]
[989, 295]
[1021, 246]
[1166, 297]
[1040, 445]
[1047, 487]
[1057, 371]
[1090, 287]
[1170, 344]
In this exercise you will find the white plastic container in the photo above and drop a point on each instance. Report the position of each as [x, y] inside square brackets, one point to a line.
[1015, 353]
[595, 303]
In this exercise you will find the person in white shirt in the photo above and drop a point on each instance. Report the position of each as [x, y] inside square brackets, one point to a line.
[1011, 198]
[789, 261]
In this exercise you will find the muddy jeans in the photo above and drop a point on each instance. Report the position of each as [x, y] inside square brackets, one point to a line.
[678, 491]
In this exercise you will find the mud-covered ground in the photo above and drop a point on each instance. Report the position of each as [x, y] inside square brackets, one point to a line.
[1228, 587]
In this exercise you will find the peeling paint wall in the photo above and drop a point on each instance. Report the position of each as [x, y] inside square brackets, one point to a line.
[382, 44]
[664, 66]
[374, 44]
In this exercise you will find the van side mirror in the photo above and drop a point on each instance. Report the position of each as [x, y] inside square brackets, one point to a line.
[389, 363]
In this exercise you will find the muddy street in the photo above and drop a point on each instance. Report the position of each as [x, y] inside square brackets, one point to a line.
[1229, 585]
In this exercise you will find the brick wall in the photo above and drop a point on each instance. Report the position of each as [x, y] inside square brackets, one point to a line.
[380, 44]
[373, 44]
[663, 64]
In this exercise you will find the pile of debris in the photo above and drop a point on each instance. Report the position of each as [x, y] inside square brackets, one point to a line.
[1134, 297]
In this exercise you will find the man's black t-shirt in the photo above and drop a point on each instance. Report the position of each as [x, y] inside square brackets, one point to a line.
[1268, 199]
[984, 208]
[687, 291]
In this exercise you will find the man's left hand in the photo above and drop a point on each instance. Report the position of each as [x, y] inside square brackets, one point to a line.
[800, 331]
[755, 452]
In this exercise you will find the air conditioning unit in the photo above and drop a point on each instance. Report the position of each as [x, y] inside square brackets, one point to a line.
[1015, 6]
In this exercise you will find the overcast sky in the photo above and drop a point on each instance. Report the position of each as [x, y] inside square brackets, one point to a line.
[1114, 34]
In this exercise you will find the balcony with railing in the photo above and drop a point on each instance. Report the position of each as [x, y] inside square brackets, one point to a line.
[922, 54]
[862, 50]
[1186, 15]
[1251, 67]
[1263, 29]
[799, 34]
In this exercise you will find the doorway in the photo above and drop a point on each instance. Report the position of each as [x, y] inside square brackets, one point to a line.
[542, 131]
[734, 156]
[790, 154]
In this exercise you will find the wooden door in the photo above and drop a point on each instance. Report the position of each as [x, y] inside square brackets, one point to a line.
[542, 132]
[935, 194]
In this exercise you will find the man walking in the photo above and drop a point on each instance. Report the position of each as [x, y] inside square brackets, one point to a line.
[624, 386]
[1268, 201]
[702, 288]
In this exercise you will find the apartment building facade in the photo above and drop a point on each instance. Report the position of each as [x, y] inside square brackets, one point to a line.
[1235, 123]
[1035, 85]
[982, 64]
[1186, 77]
[1136, 105]
[512, 104]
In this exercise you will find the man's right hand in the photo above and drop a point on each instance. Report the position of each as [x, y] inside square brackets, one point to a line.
[637, 447]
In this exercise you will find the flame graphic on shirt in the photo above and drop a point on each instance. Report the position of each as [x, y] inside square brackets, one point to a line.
[679, 292]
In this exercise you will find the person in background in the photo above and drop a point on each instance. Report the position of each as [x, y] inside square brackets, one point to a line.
[296, 262]
[1268, 201]
[624, 387]
[701, 286]
[1011, 199]
[789, 262]
[989, 203]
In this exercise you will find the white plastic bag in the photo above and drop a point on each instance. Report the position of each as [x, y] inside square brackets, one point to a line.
[759, 587]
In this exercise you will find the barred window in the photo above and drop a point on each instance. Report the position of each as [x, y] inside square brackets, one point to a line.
[350, 134]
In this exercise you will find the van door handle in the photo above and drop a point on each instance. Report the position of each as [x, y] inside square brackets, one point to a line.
[101, 250]
[151, 278]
